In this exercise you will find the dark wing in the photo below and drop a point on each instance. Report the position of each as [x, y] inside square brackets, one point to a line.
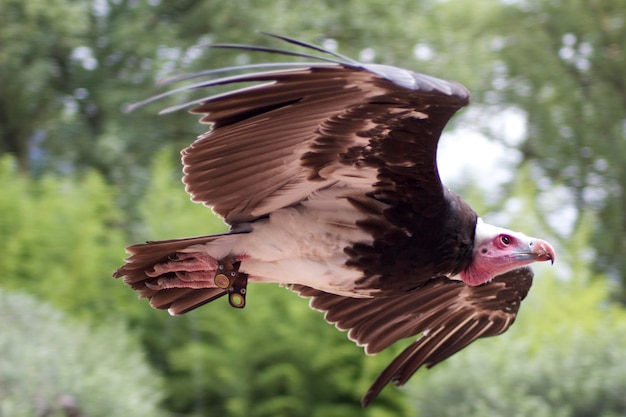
[449, 315]
[298, 130]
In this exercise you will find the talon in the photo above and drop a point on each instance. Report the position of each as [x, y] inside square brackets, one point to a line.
[153, 287]
[159, 284]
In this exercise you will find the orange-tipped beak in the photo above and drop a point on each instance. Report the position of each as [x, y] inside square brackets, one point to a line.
[543, 251]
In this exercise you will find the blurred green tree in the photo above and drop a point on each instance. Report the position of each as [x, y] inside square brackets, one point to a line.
[54, 366]
[562, 65]
[36, 42]
[275, 358]
[61, 236]
[69, 69]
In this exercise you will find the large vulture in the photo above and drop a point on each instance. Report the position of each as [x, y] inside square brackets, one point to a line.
[326, 172]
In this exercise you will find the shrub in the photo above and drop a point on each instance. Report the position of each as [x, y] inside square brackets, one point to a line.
[52, 365]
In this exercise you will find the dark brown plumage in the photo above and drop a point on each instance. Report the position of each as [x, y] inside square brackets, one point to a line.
[327, 174]
[451, 313]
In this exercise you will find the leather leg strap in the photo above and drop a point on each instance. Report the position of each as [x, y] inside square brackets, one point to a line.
[237, 293]
[228, 277]
[226, 273]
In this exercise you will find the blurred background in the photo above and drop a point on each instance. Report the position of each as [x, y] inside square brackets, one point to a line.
[541, 149]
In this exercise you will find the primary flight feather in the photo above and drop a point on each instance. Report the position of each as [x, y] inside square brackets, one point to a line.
[326, 172]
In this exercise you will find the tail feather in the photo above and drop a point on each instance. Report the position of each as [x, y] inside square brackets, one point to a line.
[182, 300]
[143, 258]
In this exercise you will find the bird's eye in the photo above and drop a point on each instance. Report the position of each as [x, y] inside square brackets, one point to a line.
[506, 240]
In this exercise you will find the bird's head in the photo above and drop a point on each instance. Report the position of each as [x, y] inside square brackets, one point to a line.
[498, 250]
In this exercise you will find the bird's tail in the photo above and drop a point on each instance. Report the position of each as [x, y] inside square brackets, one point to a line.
[179, 275]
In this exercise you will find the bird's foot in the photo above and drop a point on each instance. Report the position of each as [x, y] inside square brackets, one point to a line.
[185, 262]
[199, 270]
[183, 270]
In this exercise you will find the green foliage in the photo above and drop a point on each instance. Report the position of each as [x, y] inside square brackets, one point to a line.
[68, 69]
[166, 210]
[62, 240]
[33, 34]
[563, 357]
[274, 358]
[561, 64]
[51, 363]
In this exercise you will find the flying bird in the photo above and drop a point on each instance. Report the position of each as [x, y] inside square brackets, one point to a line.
[325, 170]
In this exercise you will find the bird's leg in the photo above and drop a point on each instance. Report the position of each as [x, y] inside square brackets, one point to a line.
[181, 261]
[226, 273]
[228, 277]
[199, 270]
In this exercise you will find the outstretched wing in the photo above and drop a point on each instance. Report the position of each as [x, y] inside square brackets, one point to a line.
[448, 314]
[300, 129]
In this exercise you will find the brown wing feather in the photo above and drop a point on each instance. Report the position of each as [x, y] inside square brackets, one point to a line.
[448, 314]
[370, 128]
[272, 145]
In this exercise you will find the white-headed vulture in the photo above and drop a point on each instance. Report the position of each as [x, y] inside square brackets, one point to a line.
[326, 172]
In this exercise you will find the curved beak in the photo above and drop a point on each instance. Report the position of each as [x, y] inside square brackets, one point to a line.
[543, 251]
[540, 251]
